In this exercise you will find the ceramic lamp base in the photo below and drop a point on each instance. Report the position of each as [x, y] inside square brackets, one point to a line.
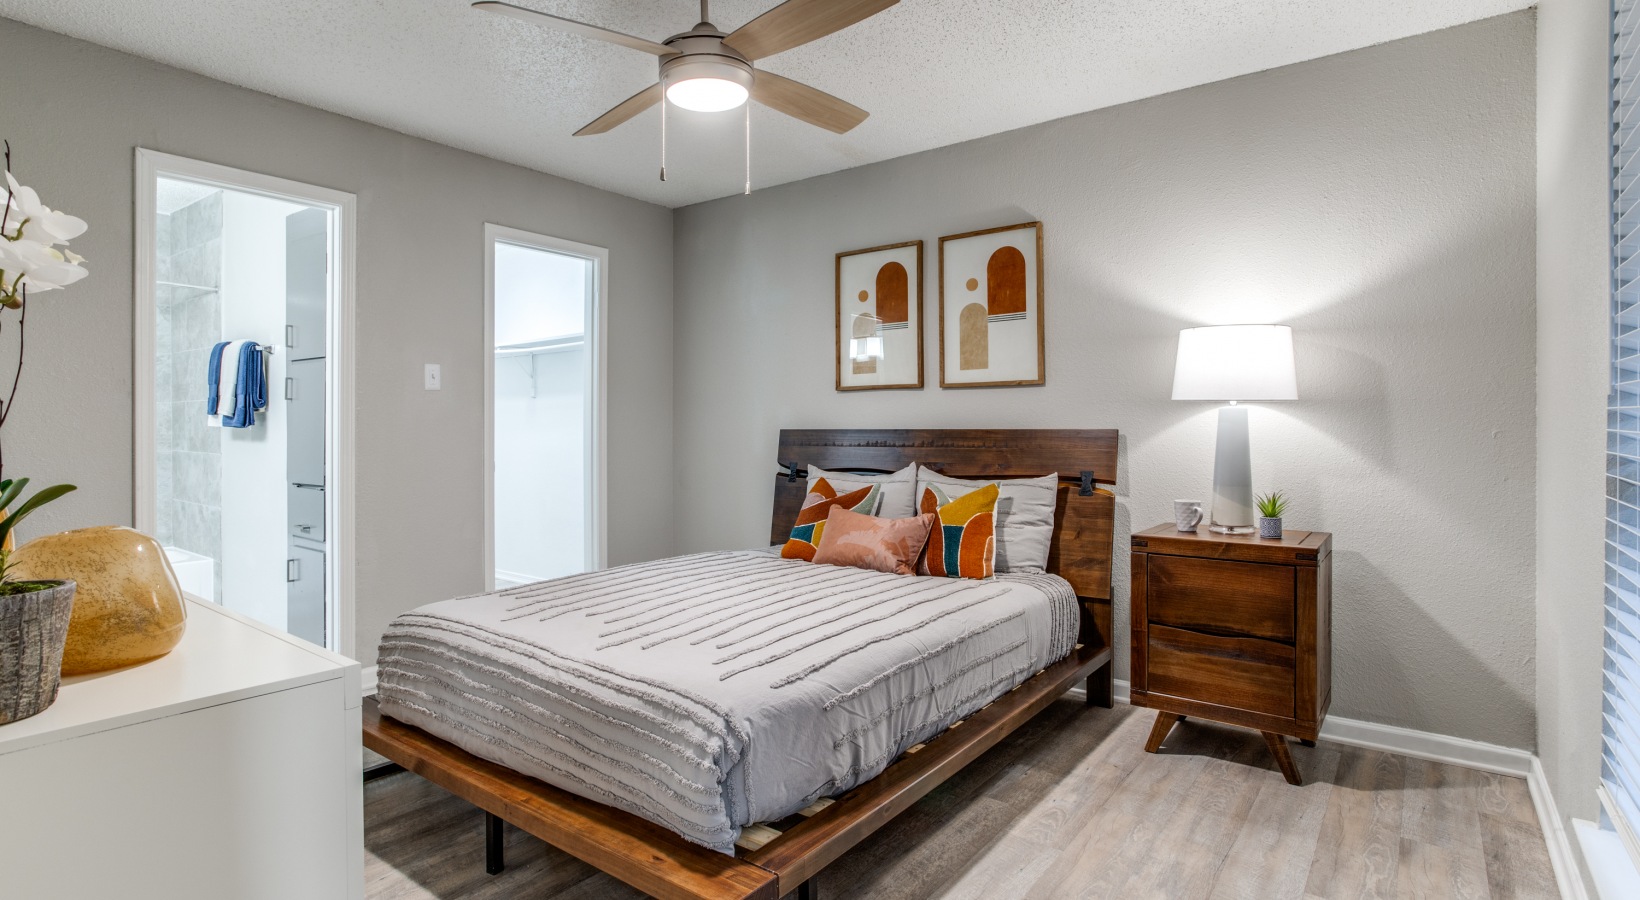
[1232, 475]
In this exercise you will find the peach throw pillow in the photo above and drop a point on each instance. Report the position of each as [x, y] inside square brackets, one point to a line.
[868, 542]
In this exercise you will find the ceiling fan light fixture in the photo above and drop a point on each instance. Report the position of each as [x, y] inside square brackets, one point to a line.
[707, 94]
[713, 84]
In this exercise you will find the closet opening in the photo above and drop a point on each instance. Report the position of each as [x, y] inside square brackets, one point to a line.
[544, 298]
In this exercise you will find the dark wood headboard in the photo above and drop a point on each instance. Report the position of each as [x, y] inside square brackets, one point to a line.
[1084, 540]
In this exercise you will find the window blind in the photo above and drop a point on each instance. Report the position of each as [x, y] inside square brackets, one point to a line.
[1620, 744]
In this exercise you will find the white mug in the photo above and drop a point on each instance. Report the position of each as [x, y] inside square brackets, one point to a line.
[1187, 514]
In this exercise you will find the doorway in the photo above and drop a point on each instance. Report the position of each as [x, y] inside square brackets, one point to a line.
[244, 354]
[544, 299]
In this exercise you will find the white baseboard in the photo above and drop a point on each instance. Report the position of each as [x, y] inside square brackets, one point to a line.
[1561, 855]
[506, 578]
[367, 681]
[1405, 741]
[1428, 745]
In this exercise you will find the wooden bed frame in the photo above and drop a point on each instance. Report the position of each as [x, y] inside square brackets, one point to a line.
[786, 859]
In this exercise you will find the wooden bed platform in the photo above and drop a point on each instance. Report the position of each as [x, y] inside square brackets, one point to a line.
[776, 860]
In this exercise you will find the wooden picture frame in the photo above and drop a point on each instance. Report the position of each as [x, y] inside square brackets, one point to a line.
[990, 337]
[882, 316]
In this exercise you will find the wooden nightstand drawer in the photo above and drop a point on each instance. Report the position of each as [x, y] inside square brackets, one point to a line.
[1240, 672]
[1234, 628]
[1219, 597]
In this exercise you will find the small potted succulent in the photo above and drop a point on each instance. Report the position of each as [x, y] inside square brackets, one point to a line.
[1270, 509]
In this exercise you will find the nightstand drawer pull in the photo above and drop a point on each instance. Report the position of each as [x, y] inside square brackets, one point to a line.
[1243, 673]
[1221, 597]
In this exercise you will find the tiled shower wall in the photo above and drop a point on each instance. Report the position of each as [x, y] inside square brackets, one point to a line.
[188, 453]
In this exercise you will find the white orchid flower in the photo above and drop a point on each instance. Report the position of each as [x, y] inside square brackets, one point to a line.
[59, 227]
[43, 268]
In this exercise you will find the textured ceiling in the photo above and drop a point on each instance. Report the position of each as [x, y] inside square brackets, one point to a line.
[932, 72]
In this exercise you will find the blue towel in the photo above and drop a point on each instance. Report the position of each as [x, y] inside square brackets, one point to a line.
[250, 389]
[213, 374]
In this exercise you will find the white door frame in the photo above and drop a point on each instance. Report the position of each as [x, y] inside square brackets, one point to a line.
[339, 444]
[597, 484]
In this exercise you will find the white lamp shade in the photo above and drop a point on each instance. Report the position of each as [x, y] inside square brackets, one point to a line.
[1235, 362]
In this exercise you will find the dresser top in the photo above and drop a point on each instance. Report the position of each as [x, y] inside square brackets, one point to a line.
[222, 657]
[1293, 548]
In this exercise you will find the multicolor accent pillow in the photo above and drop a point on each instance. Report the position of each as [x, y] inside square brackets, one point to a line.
[963, 543]
[1025, 515]
[871, 542]
[899, 488]
[811, 519]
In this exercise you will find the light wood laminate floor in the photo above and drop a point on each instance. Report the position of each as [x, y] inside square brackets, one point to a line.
[1072, 806]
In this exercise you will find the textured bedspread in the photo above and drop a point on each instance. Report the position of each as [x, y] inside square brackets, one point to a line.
[709, 692]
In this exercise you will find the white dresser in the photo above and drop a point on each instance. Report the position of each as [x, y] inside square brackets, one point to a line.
[226, 770]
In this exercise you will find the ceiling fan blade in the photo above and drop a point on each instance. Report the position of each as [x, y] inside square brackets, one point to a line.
[547, 20]
[812, 105]
[624, 110]
[796, 22]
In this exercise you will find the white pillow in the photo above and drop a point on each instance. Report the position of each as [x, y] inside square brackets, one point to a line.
[899, 499]
[1025, 509]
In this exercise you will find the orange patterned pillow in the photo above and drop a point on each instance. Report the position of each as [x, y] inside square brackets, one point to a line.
[811, 519]
[963, 543]
[867, 542]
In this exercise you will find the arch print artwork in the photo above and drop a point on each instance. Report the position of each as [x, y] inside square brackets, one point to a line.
[879, 318]
[991, 322]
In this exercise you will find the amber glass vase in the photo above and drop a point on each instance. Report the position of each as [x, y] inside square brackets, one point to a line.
[128, 606]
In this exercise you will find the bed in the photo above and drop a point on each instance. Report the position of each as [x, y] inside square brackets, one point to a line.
[726, 724]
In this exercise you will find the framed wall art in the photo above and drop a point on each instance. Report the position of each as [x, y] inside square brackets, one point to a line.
[879, 318]
[991, 317]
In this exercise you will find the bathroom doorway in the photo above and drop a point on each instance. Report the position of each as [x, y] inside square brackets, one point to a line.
[544, 410]
[244, 351]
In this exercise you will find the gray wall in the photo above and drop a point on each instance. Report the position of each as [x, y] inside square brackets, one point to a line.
[75, 113]
[1573, 287]
[1380, 202]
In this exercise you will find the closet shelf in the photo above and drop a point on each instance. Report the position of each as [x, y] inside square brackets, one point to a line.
[550, 345]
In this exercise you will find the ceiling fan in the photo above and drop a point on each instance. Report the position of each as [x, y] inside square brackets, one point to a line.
[706, 70]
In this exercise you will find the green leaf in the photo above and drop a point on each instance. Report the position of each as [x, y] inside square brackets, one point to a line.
[40, 498]
[10, 491]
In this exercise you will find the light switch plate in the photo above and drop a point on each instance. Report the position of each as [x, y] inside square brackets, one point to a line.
[432, 379]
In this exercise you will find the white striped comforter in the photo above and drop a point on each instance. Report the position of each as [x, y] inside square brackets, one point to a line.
[712, 691]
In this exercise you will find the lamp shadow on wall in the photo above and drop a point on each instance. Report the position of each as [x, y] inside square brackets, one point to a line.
[1451, 692]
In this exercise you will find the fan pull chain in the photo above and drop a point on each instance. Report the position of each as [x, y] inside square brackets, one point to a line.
[748, 148]
[663, 138]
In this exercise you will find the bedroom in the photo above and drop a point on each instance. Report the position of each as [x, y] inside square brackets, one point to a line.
[1421, 192]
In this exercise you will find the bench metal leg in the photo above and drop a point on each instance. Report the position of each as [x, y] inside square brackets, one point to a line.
[494, 853]
[382, 771]
[809, 890]
[1101, 686]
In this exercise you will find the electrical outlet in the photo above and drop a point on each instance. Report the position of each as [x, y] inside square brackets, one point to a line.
[432, 379]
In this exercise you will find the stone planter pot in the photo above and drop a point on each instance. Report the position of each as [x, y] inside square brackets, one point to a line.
[33, 627]
[1269, 528]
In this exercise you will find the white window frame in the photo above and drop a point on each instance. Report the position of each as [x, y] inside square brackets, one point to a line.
[151, 165]
[597, 485]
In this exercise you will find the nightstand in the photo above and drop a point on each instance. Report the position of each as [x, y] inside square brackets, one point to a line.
[1236, 629]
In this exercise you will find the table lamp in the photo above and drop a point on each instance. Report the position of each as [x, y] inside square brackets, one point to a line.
[1234, 363]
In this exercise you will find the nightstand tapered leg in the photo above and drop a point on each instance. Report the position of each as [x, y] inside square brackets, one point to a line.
[1158, 732]
[1284, 757]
